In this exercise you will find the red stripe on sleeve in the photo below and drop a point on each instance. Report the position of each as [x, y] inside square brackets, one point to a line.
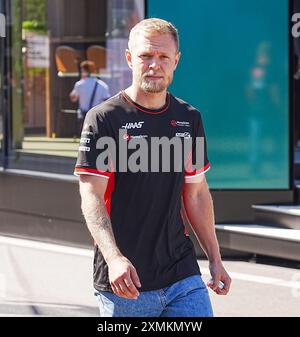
[79, 171]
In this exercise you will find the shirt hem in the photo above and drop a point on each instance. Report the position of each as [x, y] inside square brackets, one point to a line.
[105, 287]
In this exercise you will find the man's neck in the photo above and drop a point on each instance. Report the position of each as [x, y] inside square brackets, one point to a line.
[147, 100]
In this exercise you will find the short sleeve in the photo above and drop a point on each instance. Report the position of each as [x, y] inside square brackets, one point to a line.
[197, 161]
[104, 90]
[75, 90]
[89, 152]
[107, 93]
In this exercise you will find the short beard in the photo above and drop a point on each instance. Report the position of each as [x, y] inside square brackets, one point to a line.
[152, 87]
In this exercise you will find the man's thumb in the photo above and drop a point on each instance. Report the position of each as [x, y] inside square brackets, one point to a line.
[134, 277]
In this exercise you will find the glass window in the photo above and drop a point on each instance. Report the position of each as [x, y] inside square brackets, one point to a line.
[238, 69]
[50, 40]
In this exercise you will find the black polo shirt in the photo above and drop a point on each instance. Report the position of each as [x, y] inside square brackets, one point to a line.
[144, 205]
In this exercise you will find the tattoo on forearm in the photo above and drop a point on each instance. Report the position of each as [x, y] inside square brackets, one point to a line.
[99, 225]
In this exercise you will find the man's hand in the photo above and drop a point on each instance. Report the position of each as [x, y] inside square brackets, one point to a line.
[123, 277]
[218, 273]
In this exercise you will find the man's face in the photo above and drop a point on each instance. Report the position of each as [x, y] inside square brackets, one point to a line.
[153, 59]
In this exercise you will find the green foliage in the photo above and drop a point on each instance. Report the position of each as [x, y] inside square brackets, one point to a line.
[34, 12]
[34, 26]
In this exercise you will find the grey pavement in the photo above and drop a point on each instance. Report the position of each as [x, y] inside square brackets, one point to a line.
[42, 279]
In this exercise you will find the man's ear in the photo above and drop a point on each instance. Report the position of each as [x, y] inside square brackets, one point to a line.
[128, 57]
[177, 58]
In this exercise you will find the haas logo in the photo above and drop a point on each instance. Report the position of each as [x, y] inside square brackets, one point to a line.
[133, 125]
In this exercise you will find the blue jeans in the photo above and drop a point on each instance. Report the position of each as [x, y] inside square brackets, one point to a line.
[185, 298]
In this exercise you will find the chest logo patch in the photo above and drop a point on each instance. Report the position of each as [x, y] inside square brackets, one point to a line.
[183, 134]
[174, 123]
[133, 125]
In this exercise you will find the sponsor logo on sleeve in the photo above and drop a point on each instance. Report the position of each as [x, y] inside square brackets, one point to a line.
[85, 140]
[84, 149]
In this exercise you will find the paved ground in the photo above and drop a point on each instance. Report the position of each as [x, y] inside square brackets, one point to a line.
[38, 279]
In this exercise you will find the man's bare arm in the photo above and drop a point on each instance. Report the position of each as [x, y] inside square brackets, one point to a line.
[92, 191]
[198, 205]
[122, 274]
[73, 97]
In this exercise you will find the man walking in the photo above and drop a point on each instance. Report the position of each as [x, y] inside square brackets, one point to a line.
[145, 263]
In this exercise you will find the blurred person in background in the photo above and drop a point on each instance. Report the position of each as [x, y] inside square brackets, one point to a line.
[88, 91]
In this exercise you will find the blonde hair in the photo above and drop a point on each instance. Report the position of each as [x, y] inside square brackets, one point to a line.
[152, 26]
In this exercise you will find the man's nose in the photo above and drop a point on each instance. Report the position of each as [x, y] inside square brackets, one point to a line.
[154, 63]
